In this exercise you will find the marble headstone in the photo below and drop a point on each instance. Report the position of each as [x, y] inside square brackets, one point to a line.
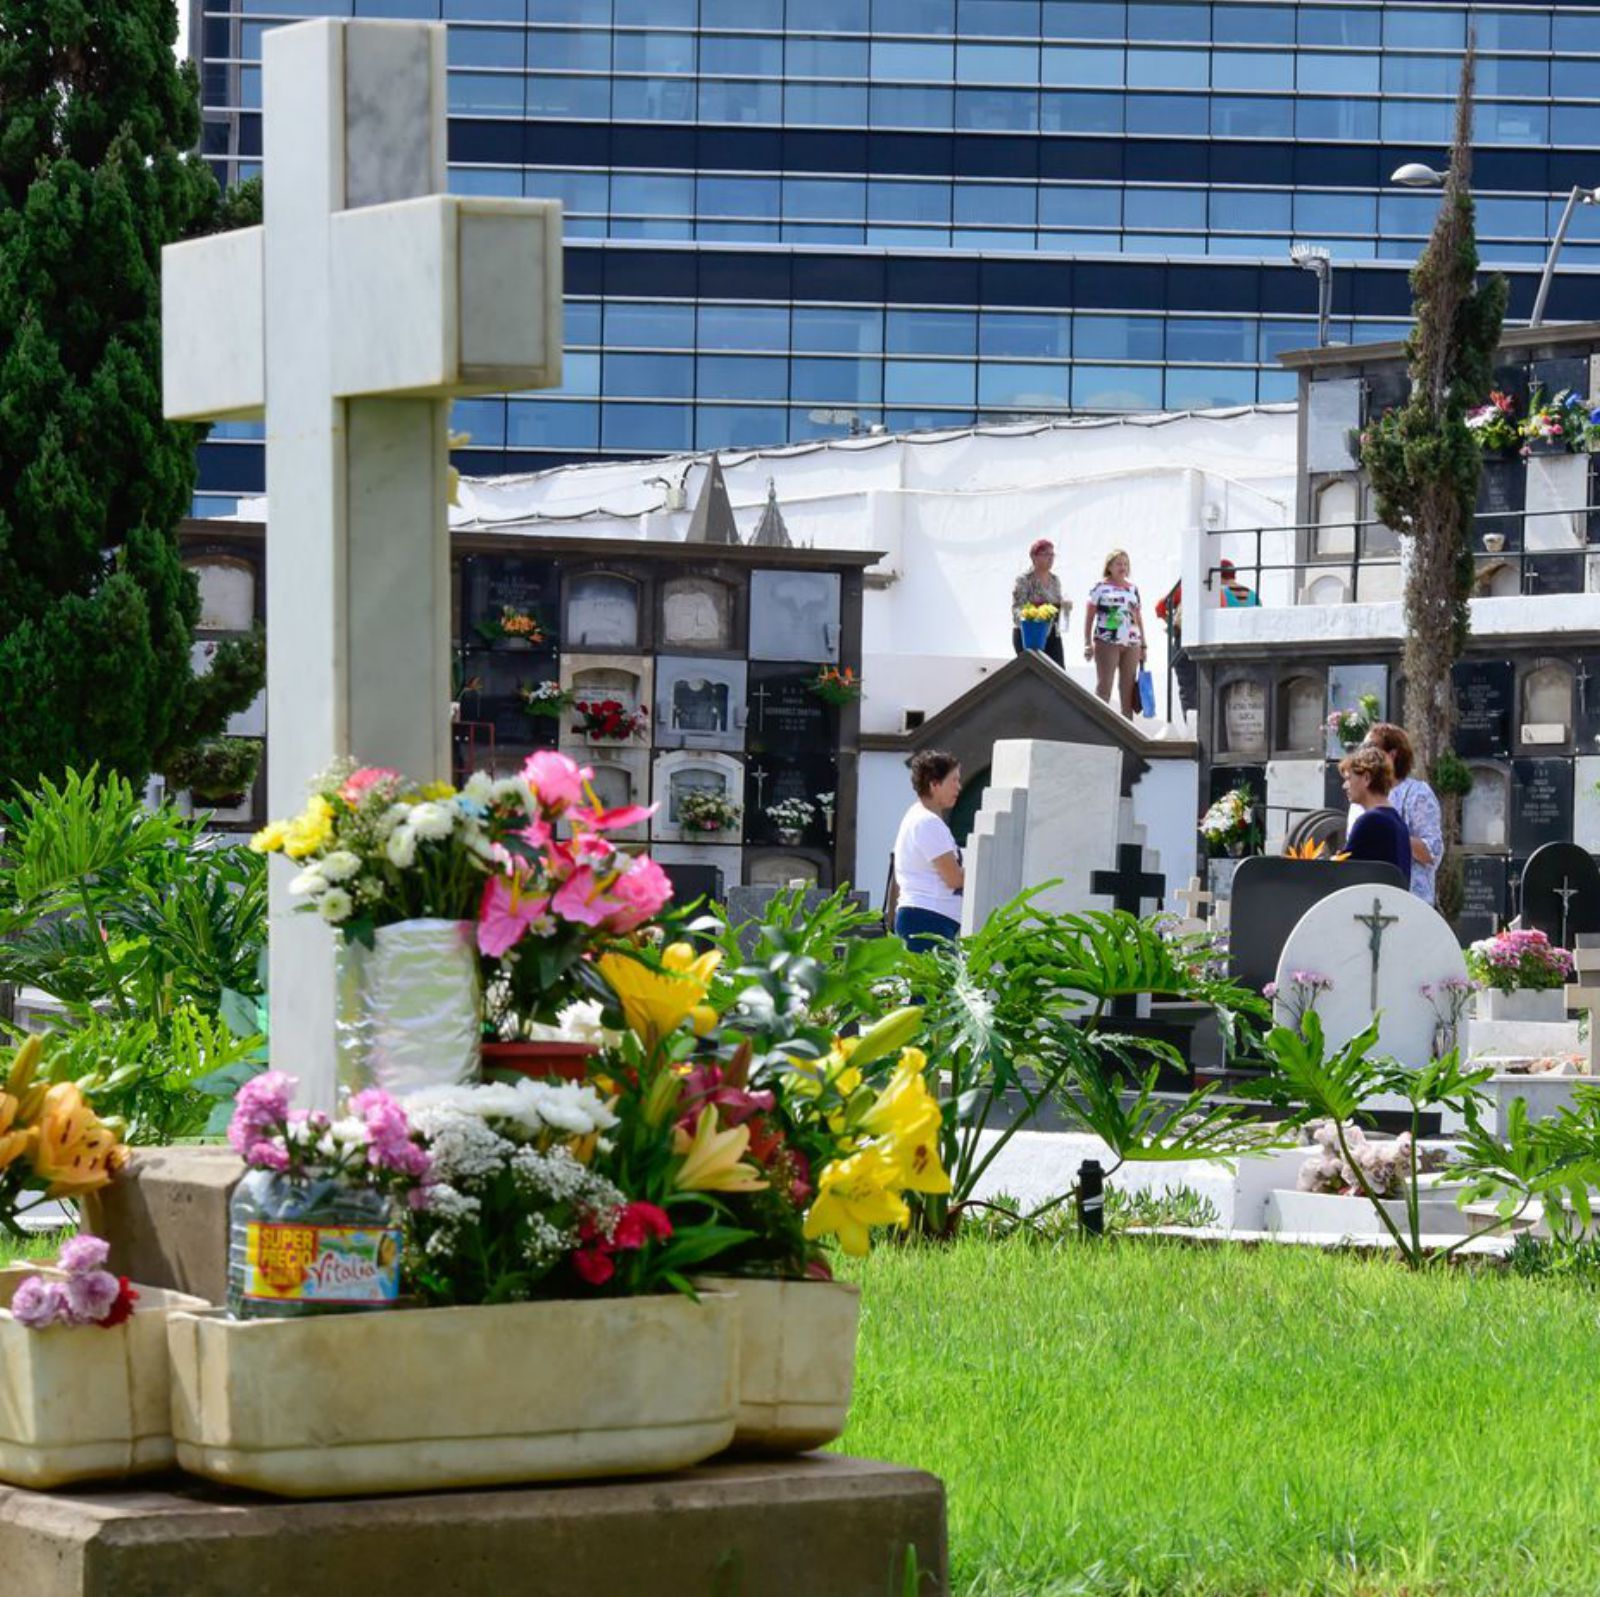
[1484, 701]
[697, 612]
[1541, 804]
[1484, 811]
[1334, 413]
[1561, 892]
[1347, 683]
[1483, 897]
[602, 612]
[1244, 718]
[794, 615]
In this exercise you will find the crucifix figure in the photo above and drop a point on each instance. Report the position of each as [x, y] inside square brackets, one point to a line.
[1376, 923]
[1566, 892]
[367, 301]
[758, 775]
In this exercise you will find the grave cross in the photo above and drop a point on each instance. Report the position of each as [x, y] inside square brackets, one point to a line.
[367, 300]
[758, 775]
[1194, 899]
[1129, 884]
[760, 696]
[1376, 923]
[1566, 892]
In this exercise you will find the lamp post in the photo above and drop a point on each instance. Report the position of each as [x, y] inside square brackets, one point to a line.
[1416, 176]
[1315, 259]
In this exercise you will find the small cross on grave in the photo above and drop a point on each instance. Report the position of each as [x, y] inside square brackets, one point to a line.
[1130, 884]
[760, 695]
[366, 302]
[758, 775]
[1376, 923]
[1566, 892]
[1195, 900]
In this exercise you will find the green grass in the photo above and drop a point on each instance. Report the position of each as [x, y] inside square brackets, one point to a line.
[1137, 1418]
[20, 1250]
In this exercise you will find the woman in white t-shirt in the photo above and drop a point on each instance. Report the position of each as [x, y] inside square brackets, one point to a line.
[1113, 633]
[927, 863]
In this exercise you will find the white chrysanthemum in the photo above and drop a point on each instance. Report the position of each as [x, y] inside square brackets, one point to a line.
[511, 790]
[335, 906]
[310, 883]
[478, 788]
[402, 848]
[341, 865]
[569, 1106]
[430, 820]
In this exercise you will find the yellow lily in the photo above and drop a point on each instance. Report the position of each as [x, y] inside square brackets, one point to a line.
[310, 830]
[15, 1141]
[853, 1196]
[76, 1151]
[907, 1117]
[713, 1159]
[656, 1002]
[23, 1065]
[271, 838]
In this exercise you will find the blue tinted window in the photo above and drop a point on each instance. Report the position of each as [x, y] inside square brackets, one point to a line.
[764, 14]
[653, 99]
[740, 426]
[1577, 32]
[1211, 338]
[932, 332]
[633, 192]
[908, 202]
[1242, 24]
[1576, 124]
[1080, 207]
[1334, 213]
[906, 238]
[1199, 389]
[823, 233]
[483, 419]
[1082, 63]
[1246, 211]
[1083, 19]
[552, 424]
[744, 327]
[1274, 388]
[650, 325]
[836, 382]
[911, 108]
[1164, 208]
[825, 104]
[581, 322]
[1168, 113]
[570, 50]
[740, 102]
[596, 12]
[1117, 338]
[649, 376]
[505, 182]
[1233, 117]
[1005, 18]
[653, 52]
[996, 204]
[933, 62]
[1585, 221]
[838, 329]
[1338, 25]
[1417, 121]
[1511, 30]
[913, 16]
[738, 196]
[1417, 74]
[1511, 218]
[580, 375]
[1167, 69]
[997, 110]
[576, 97]
[731, 56]
[1578, 80]
[739, 232]
[844, 16]
[1405, 28]
[1508, 78]
[1328, 73]
[1025, 388]
[1116, 387]
[743, 377]
[485, 47]
[1503, 122]
[929, 382]
[1081, 113]
[1409, 213]
[1336, 119]
[826, 58]
[1276, 337]
[471, 10]
[1151, 21]
[487, 94]
[648, 427]
[657, 13]
[1252, 69]
[824, 197]
[997, 63]
[1038, 334]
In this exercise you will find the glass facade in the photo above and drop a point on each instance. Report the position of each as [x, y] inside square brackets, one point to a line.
[790, 218]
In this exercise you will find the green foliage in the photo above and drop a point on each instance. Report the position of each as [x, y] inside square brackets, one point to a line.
[1450, 775]
[218, 768]
[99, 167]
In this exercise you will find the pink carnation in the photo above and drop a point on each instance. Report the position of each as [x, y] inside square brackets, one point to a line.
[640, 892]
[38, 1304]
[92, 1296]
[260, 1110]
[82, 1253]
[359, 783]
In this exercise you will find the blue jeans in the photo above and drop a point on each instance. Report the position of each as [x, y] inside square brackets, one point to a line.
[920, 929]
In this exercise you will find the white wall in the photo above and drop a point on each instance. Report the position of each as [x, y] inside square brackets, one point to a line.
[883, 795]
[1166, 802]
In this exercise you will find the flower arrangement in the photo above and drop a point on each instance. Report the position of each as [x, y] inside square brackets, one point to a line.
[511, 626]
[85, 1292]
[1384, 1164]
[1563, 421]
[547, 699]
[1037, 612]
[836, 685]
[1352, 726]
[792, 815]
[1449, 999]
[702, 811]
[1306, 850]
[611, 720]
[1305, 988]
[1513, 959]
[1230, 822]
[1495, 425]
[52, 1144]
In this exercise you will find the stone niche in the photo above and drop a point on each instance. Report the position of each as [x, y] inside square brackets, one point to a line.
[794, 615]
[699, 612]
[1302, 711]
[1242, 718]
[627, 678]
[1485, 811]
[1545, 701]
[690, 771]
[227, 592]
[781, 867]
[700, 703]
[698, 870]
[621, 776]
[604, 611]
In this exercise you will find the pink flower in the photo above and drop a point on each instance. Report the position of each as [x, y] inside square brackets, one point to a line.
[90, 1297]
[557, 780]
[391, 1147]
[615, 820]
[269, 1153]
[640, 1223]
[705, 1085]
[582, 898]
[260, 1110]
[358, 783]
[38, 1304]
[505, 913]
[82, 1253]
[640, 892]
[536, 834]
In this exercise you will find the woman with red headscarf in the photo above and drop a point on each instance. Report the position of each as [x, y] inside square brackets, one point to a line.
[1040, 585]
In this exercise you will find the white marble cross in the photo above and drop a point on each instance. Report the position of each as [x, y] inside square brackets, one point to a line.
[1194, 899]
[366, 301]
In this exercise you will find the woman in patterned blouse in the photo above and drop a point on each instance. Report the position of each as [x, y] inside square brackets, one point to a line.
[1040, 585]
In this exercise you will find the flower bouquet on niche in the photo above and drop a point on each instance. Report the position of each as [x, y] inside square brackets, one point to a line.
[1352, 726]
[836, 685]
[1495, 425]
[545, 700]
[792, 818]
[703, 810]
[1229, 825]
[1559, 423]
[610, 720]
[516, 629]
[1519, 959]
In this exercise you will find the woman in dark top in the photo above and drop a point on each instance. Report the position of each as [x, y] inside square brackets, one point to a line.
[1378, 833]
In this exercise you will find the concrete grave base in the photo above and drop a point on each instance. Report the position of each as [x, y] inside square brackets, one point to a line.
[817, 1526]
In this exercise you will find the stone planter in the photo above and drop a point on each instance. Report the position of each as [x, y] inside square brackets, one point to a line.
[85, 1403]
[1330, 1214]
[1523, 1003]
[1546, 1095]
[426, 1399]
[789, 836]
[797, 1360]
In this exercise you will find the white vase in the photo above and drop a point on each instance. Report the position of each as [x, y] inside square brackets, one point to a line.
[83, 1403]
[1522, 1003]
[410, 1008]
[428, 1399]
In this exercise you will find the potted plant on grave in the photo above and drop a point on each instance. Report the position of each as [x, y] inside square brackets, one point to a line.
[1556, 424]
[1521, 976]
[1229, 825]
[512, 629]
[835, 685]
[610, 720]
[1495, 425]
[709, 812]
[544, 700]
[1033, 620]
[1352, 726]
[791, 817]
[219, 772]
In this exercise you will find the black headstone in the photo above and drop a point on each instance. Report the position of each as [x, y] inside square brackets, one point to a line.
[785, 715]
[1541, 804]
[1388, 388]
[1586, 704]
[1593, 531]
[496, 698]
[1561, 892]
[1502, 492]
[771, 778]
[1561, 371]
[1333, 794]
[1557, 573]
[492, 584]
[1270, 896]
[1483, 897]
[1485, 698]
[690, 882]
[1225, 778]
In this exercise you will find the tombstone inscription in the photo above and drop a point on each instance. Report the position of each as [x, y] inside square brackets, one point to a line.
[491, 585]
[1483, 897]
[785, 714]
[1541, 804]
[1560, 893]
[1244, 718]
[771, 778]
[1485, 697]
[602, 612]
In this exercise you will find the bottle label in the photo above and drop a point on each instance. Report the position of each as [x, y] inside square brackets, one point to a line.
[296, 1263]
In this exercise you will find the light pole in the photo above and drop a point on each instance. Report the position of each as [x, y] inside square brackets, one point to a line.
[1315, 259]
[1416, 176]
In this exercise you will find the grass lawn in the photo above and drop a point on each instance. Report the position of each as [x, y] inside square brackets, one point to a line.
[17, 1250]
[1138, 1418]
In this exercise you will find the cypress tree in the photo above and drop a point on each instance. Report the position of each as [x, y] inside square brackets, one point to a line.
[99, 167]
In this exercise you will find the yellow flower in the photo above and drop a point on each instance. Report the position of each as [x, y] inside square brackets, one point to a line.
[704, 1019]
[713, 1159]
[310, 830]
[656, 1002]
[271, 838]
[76, 1151]
[907, 1117]
[437, 791]
[853, 1196]
[15, 1141]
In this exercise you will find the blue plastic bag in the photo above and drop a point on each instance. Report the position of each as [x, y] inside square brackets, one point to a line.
[1147, 695]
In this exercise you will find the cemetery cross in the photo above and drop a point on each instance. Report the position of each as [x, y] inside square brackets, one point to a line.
[1129, 884]
[1194, 899]
[367, 301]
[1566, 892]
[1376, 923]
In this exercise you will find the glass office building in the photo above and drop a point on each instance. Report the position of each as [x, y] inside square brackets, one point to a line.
[788, 219]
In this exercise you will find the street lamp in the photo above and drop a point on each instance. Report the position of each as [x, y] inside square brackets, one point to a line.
[1415, 175]
[1314, 258]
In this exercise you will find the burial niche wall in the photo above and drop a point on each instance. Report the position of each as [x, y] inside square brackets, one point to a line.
[689, 771]
[1485, 810]
[1546, 705]
[1301, 716]
[604, 609]
[1242, 718]
[700, 612]
[227, 592]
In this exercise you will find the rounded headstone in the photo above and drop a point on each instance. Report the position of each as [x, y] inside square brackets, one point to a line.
[1561, 892]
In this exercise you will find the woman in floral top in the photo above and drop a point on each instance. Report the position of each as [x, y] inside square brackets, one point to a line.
[1040, 585]
[1113, 633]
